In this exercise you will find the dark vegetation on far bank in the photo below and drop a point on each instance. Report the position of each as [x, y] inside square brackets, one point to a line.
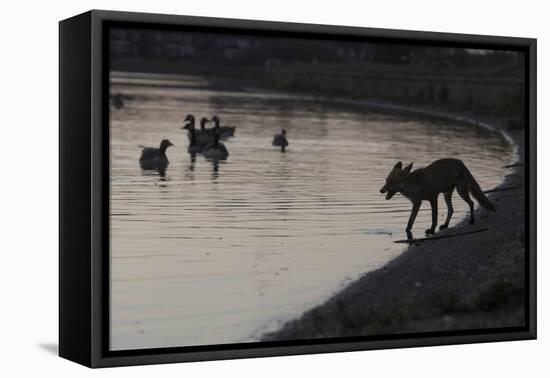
[485, 82]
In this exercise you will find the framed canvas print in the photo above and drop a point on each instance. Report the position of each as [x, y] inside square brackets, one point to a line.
[234, 188]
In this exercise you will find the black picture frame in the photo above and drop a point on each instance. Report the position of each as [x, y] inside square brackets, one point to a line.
[84, 164]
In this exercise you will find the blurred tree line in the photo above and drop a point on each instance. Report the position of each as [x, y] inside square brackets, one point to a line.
[474, 80]
[129, 46]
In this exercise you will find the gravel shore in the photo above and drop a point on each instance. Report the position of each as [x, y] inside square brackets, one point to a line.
[472, 281]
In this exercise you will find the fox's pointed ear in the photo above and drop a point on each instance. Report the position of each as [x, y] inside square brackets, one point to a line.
[399, 165]
[408, 168]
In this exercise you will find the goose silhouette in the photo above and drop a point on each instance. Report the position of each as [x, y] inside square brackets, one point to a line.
[216, 150]
[225, 131]
[201, 137]
[117, 101]
[279, 140]
[155, 158]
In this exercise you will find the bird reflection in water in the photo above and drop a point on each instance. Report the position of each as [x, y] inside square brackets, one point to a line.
[189, 174]
[161, 173]
[215, 169]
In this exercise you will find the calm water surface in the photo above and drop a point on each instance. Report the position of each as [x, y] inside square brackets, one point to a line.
[204, 257]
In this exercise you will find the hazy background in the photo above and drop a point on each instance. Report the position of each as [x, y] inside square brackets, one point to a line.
[485, 81]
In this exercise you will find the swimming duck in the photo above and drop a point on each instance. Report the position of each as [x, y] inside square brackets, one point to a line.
[216, 150]
[280, 140]
[155, 158]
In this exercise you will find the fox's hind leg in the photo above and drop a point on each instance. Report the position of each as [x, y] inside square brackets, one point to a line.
[433, 203]
[449, 202]
[462, 191]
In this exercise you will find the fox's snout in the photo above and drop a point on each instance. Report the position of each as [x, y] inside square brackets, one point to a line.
[389, 193]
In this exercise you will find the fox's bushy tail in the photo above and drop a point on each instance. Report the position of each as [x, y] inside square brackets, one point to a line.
[475, 190]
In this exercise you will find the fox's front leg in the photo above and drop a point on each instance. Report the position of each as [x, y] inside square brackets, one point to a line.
[414, 211]
[431, 230]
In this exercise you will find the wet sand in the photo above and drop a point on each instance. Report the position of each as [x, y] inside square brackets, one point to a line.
[472, 281]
